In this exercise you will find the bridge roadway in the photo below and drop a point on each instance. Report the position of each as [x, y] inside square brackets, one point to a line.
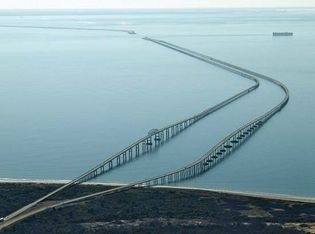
[67, 28]
[218, 152]
[207, 161]
[148, 143]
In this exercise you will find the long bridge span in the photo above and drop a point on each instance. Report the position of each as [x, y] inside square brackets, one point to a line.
[157, 137]
[219, 151]
[68, 28]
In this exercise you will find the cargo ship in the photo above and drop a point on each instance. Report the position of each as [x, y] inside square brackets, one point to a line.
[287, 34]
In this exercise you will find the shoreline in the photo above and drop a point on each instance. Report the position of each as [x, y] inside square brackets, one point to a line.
[167, 209]
[273, 196]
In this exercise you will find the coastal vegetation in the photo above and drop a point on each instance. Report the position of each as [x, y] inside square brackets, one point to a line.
[155, 210]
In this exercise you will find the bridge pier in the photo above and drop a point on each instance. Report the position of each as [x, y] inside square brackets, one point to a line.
[202, 168]
[172, 131]
[149, 141]
[163, 180]
[157, 139]
[144, 147]
[162, 137]
[183, 176]
[167, 133]
[118, 160]
[124, 157]
[175, 178]
[149, 144]
[137, 150]
[198, 169]
[170, 178]
[176, 129]
[130, 154]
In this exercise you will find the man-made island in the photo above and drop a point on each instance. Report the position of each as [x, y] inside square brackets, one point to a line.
[156, 210]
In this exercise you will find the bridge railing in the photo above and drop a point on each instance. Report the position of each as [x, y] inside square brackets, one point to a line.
[211, 158]
[147, 144]
[154, 140]
[232, 66]
[208, 160]
[222, 148]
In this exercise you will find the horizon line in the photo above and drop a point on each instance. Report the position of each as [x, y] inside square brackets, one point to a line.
[166, 8]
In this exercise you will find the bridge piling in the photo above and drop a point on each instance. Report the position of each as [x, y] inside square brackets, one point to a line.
[137, 150]
[130, 153]
[244, 131]
[124, 157]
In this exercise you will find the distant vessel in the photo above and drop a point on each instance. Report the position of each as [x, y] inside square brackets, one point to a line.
[275, 34]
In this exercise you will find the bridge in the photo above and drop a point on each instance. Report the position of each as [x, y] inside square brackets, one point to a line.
[218, 152]
[157, 137]
[68, 28]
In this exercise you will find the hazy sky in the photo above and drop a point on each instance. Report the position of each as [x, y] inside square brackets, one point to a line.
[5, 4]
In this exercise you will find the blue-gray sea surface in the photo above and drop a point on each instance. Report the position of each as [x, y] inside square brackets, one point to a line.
[70, 99]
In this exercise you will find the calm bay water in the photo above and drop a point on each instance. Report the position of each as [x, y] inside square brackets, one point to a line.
[70, 99]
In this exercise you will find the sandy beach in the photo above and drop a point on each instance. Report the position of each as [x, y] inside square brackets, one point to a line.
[283, 197]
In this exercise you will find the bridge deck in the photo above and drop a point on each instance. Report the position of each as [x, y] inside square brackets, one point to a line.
[155, 139]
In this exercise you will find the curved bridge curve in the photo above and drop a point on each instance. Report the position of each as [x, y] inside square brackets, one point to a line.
[217, 153]
[153, 140]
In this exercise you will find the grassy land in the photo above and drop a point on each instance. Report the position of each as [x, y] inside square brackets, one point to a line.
[156, 211]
